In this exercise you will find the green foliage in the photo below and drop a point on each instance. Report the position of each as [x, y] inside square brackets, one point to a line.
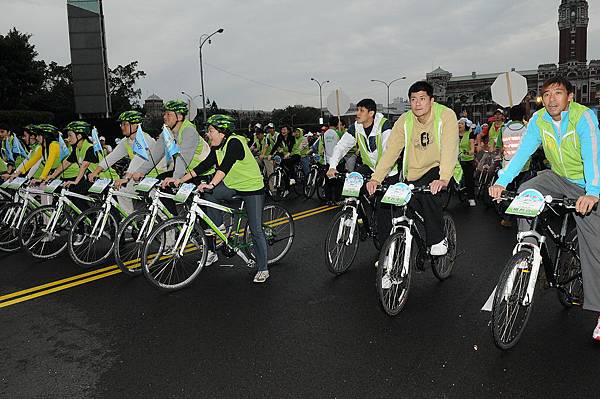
[123, 93]
[20, 118]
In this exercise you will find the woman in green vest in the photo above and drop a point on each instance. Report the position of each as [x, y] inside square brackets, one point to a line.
[466, 156]
[237, 174]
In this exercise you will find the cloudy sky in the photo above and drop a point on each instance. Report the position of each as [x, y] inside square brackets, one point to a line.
[271, 48]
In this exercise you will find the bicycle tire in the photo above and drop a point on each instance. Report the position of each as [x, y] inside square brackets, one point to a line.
[392, 286]
[442, 265]
[570, 282]
[278, 227]
[504, 340]
[9, 234]
[172, 276]
[130, 242]
[332, 258]
[311, 184]
[81, 242]
[31, 237]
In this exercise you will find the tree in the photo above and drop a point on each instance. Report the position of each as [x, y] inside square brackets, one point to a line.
[57, 95]
[297, 115]
[123, 93]
[21, 75]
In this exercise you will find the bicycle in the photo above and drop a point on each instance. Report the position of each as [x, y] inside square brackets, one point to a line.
[12, 214]
[315, 181]
[176, 251]
[44, 233]
[343, 236]
[136, 227]
[485, 172]
[399, 257]
[514, 294]
[281, 181]
[93, 235]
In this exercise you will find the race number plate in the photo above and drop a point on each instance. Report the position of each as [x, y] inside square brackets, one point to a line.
[399, 194]
[99, 186]
[16, 183]
[184, 192]
[529, 203]
[146, 184]
[352, 184]
[52, 186]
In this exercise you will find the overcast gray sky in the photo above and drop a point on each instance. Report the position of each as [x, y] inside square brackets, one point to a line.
[271, 48]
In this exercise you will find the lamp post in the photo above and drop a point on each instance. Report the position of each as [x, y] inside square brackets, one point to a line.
[388, 90]
[321, 84]
[190, 102]
[203, 39]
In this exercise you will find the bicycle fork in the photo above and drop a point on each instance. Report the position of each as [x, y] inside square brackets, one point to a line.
[402, 223]
[535, 267]
[348, 223]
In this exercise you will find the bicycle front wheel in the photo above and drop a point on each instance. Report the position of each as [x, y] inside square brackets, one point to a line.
[393, 276]
[129, 242]
[89, 243]
[311, 184]
[442, 265]
[39, 239]
[166, 263]
[9, 227]
[341, 243]
[509, 314]
[278, 226]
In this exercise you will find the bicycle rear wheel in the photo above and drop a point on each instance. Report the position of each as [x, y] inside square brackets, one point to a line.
[9, 227]
[37, 240]
[569, 279]
[129, 242]
[442, 265]
[311, 184]
[321, 181]
[509, 315]
[393, 281]
[341, 244]
[87, 246]
[276, 186]
[278, 226]
[170, 267]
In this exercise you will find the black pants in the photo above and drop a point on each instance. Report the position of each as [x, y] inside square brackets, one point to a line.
[333, 187]
[430, 207]
[468, 174]
[81, 188]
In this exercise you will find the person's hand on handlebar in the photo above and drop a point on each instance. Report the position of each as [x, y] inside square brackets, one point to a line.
[437, 185]
[371, 186]
[170, 181]
[331, 173]
[205, 186]
[496, 191]
[585, 204]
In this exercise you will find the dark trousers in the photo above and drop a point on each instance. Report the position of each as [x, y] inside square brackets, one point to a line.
[81, 188]
[468, 174]
[430, 207]
[333, 187]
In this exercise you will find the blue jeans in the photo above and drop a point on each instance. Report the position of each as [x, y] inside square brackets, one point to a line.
[253, 204]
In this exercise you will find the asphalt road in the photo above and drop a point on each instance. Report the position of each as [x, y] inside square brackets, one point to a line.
[304, 334]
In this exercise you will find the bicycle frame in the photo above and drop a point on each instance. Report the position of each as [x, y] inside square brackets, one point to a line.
[14, 219]
[63, 199]
[109, 203]
[408, 225]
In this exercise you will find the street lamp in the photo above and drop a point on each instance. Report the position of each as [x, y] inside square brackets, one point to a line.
[203, 40]
[388, 90]
[191, 101]
[321, 84]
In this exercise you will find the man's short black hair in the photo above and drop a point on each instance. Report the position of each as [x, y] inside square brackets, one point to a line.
[367, 103]
[558, 80]
[421, 86]
[517, 113]
[333, 120]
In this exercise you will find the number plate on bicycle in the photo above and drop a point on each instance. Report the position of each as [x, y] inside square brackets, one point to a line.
[398, 194]
[529, 203]
[16, 183]
[352, 184]
[146, 184]
[99, 186]
[184, 192]
[52, 186]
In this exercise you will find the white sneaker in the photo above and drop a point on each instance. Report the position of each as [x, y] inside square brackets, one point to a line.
[596, 334]
[440, 249]
[472, 202]
[211, 258]
[386, 282]
[292, 182]
[261, 276]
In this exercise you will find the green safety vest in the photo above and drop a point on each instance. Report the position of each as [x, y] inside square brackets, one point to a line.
[271, 140]
[259, 144]
[321, 150]
[465, 147]
[197, 158]
[408, 132]
[71, 172]
[363, 146]
[296, 150]
[493, 133]
[564, 157]
[245, 174]
[80, 154]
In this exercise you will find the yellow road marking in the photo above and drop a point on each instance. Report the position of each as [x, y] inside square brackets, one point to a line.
[79, 279]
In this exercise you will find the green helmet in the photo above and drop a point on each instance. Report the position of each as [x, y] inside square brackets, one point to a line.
[47, 130]
[80, 127]
[177, 106]
[130, 116]
[222, 122]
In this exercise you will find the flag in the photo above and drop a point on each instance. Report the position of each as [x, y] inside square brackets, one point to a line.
[140, 146]
[64, 150]
[8, 150]
[171, 147]
[478, 129]
[96, 141]
[18, 148]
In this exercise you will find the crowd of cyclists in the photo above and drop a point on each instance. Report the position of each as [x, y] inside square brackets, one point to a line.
[429, 154]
